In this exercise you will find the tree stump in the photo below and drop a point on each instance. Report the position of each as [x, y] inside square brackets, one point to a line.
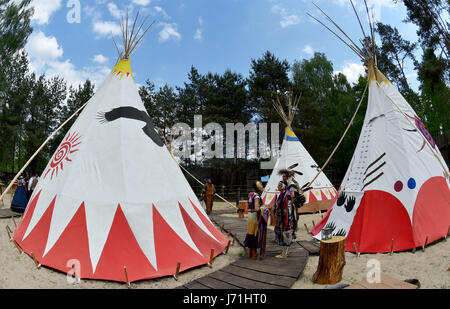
[331, 261]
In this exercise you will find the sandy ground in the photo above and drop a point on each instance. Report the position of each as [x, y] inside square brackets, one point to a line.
[19, 271]
[430, 267]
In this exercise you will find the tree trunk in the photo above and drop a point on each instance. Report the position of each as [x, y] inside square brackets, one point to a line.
[331, 261]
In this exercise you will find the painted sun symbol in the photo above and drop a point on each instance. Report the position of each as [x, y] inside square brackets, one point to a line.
[63, 153]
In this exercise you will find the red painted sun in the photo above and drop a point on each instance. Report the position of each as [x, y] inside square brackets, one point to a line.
[63, 153]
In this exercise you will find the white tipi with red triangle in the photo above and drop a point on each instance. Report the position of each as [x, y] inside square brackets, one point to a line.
[113, 198]
[395, 195]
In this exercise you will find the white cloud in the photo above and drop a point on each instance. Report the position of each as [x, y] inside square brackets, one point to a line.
[43, 10]
[45, 53]
[43, 47]
[105, 28]
[287, 19]
[308, 50]
[352, 71]
[142, 2]
[375, 6]
[169, 31]
[290, 20]
[114, 10]
[198, 35]
[200, 21]
[161, 11]
[100, 59]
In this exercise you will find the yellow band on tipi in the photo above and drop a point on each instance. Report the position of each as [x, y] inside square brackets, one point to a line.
[290, 135]
[123, 68]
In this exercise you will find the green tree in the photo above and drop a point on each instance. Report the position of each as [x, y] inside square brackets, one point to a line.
[268, 75]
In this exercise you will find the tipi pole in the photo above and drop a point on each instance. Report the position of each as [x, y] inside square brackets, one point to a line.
[39, 150]
[9, 234]
[343, 136]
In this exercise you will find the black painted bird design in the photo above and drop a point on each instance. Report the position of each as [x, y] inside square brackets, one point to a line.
[133, 113]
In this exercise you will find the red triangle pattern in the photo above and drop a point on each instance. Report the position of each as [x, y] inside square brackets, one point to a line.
[122, 249]
[23, 225]
[218, 235]
[312, 197]
[171, 249]
[202, 240]
[36, 241]
[324, 197]
[73, 244]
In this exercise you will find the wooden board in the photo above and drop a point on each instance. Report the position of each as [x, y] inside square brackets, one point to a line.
[7, 214]
[216, 284]
[283, 267]
[240, 281]
[310, 246]
[269, 273]
[277, 280]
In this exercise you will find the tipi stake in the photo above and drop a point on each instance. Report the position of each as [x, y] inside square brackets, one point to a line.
[234, 239]
[211, 259]
[177, 272]
[18, 248]
[306, 227]
[126, 276]
[77, 278]
[35, 261]
[425, 244]
[228, 247]
[356, 249]
[314, 224]
[222, 227]
[392, 247]
[15, 225]
[448, 232]
[9, 233]
[229, 233]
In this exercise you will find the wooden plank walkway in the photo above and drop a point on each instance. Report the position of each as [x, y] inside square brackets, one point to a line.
[270, 273]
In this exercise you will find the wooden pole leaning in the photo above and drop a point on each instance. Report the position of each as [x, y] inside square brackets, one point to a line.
[39, 150]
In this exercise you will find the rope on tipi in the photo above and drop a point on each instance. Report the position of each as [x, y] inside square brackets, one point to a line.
[169, 147]
[343, 136]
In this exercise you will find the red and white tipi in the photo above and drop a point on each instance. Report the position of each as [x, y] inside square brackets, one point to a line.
[296, 159]
[396, 189]
[112, 197]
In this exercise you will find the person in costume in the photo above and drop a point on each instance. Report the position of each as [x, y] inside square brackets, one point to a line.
[284, 228]
[20, 199]
[254, 207]
[208, 196]
[32, 183]
[263, 220]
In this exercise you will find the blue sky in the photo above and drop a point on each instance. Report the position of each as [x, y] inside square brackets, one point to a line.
[212, 35]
